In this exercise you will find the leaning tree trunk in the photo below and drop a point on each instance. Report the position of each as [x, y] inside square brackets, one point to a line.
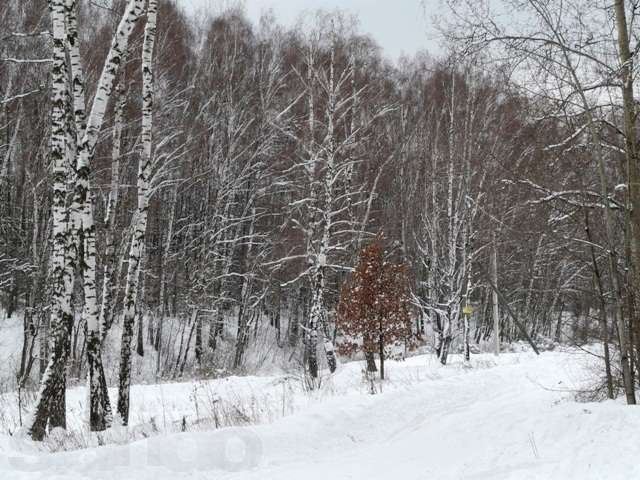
[83, 230]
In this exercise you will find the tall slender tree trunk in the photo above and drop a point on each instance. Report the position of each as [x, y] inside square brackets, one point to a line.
[603, 308]
[106, 308]
[242, 337]
[83, 230]
[318, 308]
[140, 304]
[495, 304]
[632, 151]
[138, 240]
[50, 402]
[162, 300]
[381, 353]
[198, 346]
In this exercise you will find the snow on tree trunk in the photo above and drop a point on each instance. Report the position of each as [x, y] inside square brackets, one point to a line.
[318, 317]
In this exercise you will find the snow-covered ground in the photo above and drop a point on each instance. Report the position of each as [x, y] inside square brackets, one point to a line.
[508, 418]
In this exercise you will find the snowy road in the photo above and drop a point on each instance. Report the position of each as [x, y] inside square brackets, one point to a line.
[515, 420]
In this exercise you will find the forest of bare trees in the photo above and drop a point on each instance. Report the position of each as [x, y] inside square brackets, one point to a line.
[182, 197]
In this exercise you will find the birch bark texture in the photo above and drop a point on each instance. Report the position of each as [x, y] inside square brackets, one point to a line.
[140, 226]
[50, 397]
[83, 232]
[82, 206]
[73, 144]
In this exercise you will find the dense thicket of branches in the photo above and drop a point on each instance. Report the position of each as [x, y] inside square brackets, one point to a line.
[276, 154]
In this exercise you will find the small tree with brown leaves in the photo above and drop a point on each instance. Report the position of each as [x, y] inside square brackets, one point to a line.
[374, 305]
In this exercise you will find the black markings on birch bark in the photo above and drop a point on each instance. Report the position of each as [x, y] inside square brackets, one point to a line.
[140, 226]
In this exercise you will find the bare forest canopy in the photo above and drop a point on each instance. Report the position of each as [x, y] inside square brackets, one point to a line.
[224, 178]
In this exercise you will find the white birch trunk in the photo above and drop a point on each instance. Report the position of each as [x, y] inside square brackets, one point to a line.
[51, 396]
[83, 230]
[140, 219]
[318, 316]
[106, 316]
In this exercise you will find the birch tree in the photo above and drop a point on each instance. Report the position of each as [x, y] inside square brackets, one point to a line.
[327, 196]
[140, 219]
[80, 232]
[50, 403]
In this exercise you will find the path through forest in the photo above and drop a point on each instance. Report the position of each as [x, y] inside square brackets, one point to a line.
[512, 420]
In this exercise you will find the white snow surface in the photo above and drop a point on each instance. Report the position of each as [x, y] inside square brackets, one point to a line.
[511, 417]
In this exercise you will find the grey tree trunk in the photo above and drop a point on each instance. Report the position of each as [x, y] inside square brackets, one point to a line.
[495, 306]
[633, 158]
[381, 353]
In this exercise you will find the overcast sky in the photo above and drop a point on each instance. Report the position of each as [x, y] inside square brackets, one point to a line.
[399, 26]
